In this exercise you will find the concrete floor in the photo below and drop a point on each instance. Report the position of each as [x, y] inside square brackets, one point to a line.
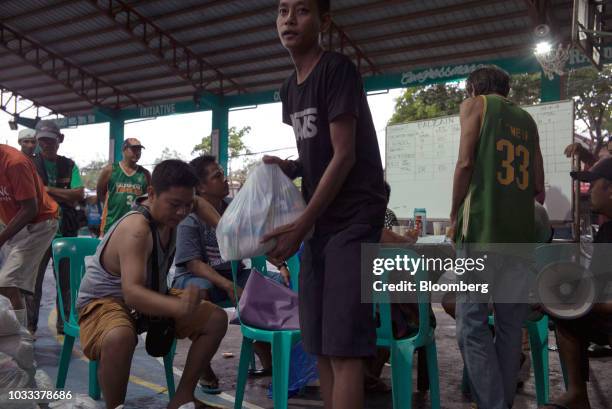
[147, 384]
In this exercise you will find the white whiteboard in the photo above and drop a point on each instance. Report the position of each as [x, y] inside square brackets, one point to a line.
[421, 157]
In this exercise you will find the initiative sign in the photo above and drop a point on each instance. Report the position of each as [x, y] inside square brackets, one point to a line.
[157, 110]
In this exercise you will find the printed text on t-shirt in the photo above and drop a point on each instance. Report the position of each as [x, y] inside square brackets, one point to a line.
[304, 123]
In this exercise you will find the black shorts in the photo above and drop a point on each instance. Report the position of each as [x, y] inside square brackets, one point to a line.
[593, 327]
[333, 320]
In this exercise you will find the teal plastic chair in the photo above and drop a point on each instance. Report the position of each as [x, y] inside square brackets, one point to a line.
[75, 249]
[281, 342]
[402, 350]
[538, 343]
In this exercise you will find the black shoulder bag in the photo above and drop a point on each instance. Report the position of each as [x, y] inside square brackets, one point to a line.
[160, 330]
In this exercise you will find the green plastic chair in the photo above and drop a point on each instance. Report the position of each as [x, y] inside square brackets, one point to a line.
[538, 343]
[281, 341]
[76, 249]
[402, 350]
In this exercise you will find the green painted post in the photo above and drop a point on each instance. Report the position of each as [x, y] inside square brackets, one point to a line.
[115, 139]
[550, 90]
[220, 123]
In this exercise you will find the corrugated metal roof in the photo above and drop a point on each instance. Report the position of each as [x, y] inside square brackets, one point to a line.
[236, 39]
[49, 21]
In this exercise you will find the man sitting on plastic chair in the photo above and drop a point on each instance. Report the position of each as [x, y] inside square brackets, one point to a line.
[574, 335]
[199, 263]
[117, 296]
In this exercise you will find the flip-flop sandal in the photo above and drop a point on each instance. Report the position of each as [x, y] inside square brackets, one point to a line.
[201, 405]
[257, 373]
[210, 387]
[376, 386]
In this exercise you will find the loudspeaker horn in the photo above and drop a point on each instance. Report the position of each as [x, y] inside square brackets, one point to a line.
[566, 290]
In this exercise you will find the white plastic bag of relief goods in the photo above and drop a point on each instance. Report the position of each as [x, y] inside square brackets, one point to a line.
[267, 200]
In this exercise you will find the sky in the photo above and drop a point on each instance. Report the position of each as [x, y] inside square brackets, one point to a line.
[182, 132]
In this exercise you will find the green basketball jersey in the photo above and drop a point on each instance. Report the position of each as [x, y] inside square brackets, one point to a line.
[122, 191]
[499, 206]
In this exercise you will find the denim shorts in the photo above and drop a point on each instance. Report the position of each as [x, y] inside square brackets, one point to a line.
[216, 294]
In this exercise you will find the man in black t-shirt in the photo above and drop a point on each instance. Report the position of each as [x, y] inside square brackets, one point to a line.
[342, 182]
[574, 336]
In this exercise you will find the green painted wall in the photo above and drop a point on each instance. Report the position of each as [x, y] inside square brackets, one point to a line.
[550, 90]
[220, 122]
[116, 135]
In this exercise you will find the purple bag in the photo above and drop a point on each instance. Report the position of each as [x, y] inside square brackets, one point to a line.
[268, 304]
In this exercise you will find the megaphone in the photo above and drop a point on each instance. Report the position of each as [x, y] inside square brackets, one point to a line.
[566, 289]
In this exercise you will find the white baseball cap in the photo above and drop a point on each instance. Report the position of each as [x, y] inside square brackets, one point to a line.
[26, 134]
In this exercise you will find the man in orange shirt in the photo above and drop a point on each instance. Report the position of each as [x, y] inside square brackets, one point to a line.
[30, 216]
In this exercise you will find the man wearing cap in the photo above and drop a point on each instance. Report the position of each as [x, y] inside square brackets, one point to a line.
[27, 141]
[63, 183]
[574, 336]
[30, 216]
[121, 183]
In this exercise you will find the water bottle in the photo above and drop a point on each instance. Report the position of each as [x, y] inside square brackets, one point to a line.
[420, 220]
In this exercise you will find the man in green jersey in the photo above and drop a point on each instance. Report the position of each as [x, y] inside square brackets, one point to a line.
[499, 171]
[63, 183]
[121, 183]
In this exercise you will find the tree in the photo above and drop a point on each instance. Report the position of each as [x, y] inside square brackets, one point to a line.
[427, 102]
[525, 88]
[237, 149]
[168, 154]
[91, 172]
[236, 145]
[437, 100]
[590, 90]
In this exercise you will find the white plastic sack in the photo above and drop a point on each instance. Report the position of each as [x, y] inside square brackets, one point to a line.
[9, 324]
[18, 348]
[11, 375]
[43, 381]
[78, 401]
[267, 200]
[7, 403]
